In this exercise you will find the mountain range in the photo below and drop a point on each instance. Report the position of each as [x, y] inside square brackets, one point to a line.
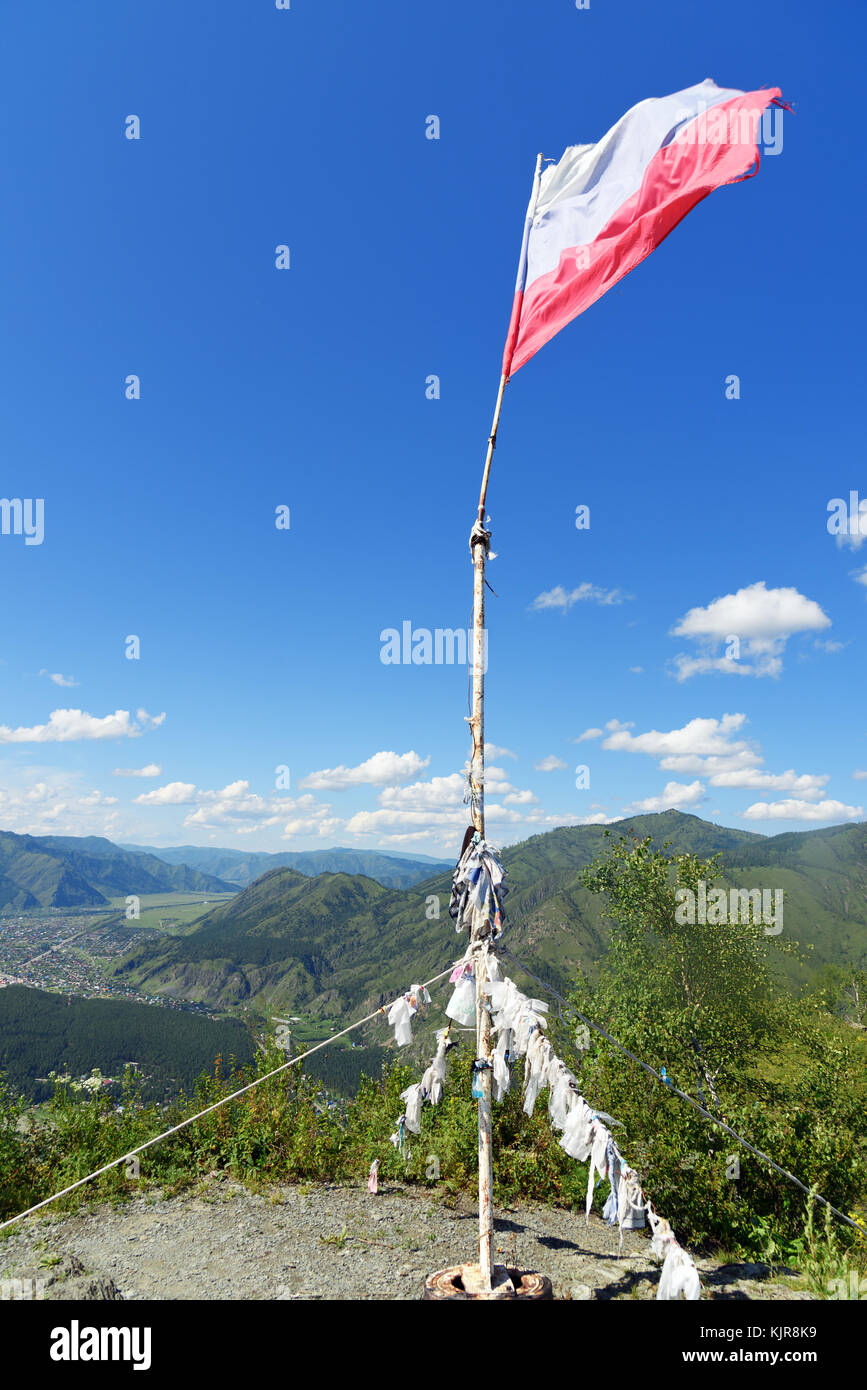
[240, 868]
[73, 871]
[338, 941]
[69, 871]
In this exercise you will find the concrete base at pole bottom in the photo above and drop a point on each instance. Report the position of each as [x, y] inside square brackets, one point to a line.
[465, 1282]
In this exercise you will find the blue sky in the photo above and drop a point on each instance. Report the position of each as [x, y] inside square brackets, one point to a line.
[259, 647]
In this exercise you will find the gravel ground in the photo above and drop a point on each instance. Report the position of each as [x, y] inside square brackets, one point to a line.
[329, 1242]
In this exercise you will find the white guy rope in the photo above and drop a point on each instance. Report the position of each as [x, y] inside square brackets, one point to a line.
[184, 1123]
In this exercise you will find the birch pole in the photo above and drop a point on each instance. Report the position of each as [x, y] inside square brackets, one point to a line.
[477, 786]
[479, 543]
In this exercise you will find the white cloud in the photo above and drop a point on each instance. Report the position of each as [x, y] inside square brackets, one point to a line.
[711, 766]
[860, 774]
[408, 837]
[444, 797]
[443, 827]
[711, 748]
[674, 796]
[762, 619]
[434, 811]
[235, 807]
[860, 576]
[149, 770]
[554, 822]
[493, 750]
[856, 525]
[172, 794]
[58, 678]
[803, 810]
[310, 817]
[566, 599]
[550, 764]
[496, 814]
[806, 784]
[440, 824]
[588, 733]
[237, 792]
[701, 738]
[438, 794]
[763, 615]
[498, 784]
[68, 725]
[235, 803]
[22, 809]
[96, 798]
[687, 666]
[54, 804]
[637, 670]
[383, 769]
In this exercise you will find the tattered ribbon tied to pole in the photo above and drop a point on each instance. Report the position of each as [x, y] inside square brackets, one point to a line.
[403, 1010]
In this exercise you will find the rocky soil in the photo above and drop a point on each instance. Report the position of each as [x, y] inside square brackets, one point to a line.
[222, 1241]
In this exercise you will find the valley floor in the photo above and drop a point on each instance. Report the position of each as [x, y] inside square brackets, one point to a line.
[327, 1242]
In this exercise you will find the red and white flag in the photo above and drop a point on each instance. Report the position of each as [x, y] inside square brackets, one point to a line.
[594, 216]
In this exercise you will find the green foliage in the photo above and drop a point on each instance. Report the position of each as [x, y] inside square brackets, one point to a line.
[13, 1151]
[706, 1002]
[529, 1160]
[831, 1267]
[282, 1131]
[337, 1240]
[699, 996]
[340, 1069]
[842, 990]
[702, 1001]
[42, 1032]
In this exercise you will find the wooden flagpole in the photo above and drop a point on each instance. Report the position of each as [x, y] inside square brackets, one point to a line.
[479, 541]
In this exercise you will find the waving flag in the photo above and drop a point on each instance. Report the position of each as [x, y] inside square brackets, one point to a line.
[604, 207]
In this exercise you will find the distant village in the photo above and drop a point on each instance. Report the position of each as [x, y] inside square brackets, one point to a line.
[64, 952]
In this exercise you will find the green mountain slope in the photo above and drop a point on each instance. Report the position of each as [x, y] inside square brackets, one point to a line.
[72, 871]
[280, 941]
[338, 941]
[42, 1032]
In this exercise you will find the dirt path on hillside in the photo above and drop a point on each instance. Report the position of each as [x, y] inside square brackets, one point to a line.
[329, 1242]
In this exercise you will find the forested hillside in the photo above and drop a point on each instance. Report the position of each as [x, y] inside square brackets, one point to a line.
[42, 1032]
[336, 941]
